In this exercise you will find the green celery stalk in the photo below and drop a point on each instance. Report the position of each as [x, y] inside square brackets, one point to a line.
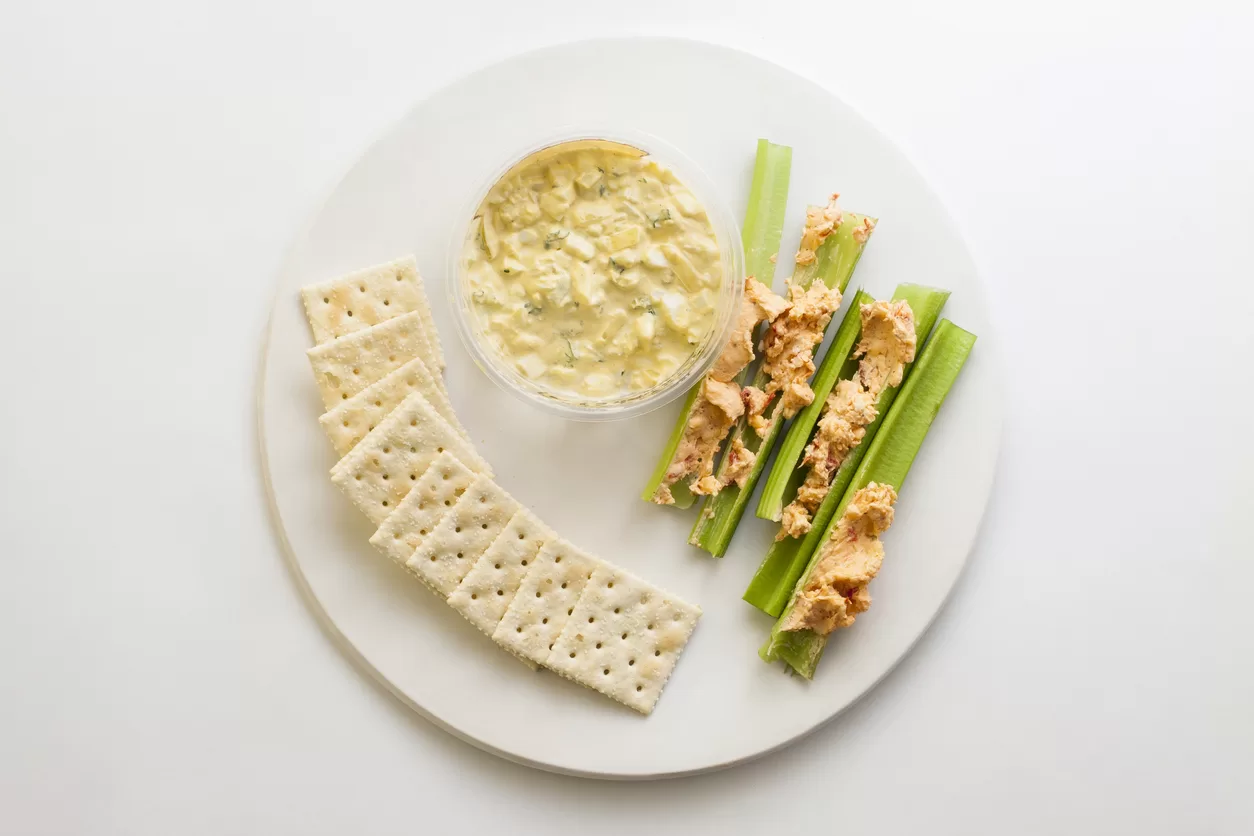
[679, 490]
[764, 217]
[833, 265]
[831, 369]
[763, 228]
[887, 462]
[772, 585]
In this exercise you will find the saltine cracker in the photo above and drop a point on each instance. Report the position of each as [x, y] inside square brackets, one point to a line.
[379, 472]
[623, 638]
[367, 297]
[350, 421]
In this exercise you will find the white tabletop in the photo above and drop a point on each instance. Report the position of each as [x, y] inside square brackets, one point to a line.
[1091, 674]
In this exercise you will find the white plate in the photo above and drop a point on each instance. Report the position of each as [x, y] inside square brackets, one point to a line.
[723, 705]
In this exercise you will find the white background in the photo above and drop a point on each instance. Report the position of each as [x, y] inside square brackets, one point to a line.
[1094, 671]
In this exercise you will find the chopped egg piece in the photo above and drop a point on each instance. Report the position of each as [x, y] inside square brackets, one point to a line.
[624, 238]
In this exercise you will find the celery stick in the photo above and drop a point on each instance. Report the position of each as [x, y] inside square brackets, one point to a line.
[679, 490]
[763, 227]
[887, 462]
[832, 369]
[764, 217]
[772, 585]
[833, 265]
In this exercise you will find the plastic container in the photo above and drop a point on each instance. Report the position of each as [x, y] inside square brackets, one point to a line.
[569, 405]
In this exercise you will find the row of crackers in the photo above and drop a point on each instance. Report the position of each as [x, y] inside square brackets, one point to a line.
[409, 466]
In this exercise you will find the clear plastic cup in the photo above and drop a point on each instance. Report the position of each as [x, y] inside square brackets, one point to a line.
[566, 404]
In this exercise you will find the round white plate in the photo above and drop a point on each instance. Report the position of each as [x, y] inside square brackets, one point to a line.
[723, 705]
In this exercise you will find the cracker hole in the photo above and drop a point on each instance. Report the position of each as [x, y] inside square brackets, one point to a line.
[557, 559]
[644, 599]
[457, 529]
[648, 626]
[362, 288]
[396, 536]
[631, 662]
[571, 610]
[591, 619]
[385, 477]
[387, 450]
[563, 584]
[624, 637]
[537, 593]
[423, 532]
[605, 672]
[326, 299]
[544, 620]
[657, 653]
[386, 303]
[598, 645]
[409, 382]
[520, 537]
[639, 687]
[484, 526]
[358, 477]
[433, 558]
[346, 423]
[350, 313]
[500, 592]
[524, 563]
[391, 358]
[460, 555]
[344, 397]
[413, 477]
[617, 611]
[676, 617]
[517, 629]
[440, 450]
[356, 371]
[447, 502]
[385, 503]
[378, 403]
[421, 505]
[609, 585]
[413, 422]
[572, 654]
[497, 566]
[445, 475]
[474, 596]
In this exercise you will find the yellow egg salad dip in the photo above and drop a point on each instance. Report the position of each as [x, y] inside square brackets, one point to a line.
[593, 270]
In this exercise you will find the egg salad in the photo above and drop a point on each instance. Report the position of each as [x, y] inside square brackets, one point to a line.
[592, 270]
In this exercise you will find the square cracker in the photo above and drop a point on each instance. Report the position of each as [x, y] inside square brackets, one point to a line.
[544, 600]
[486, 592]
[350, 421]
[379, 472]
[422, 508]
[348, 364]
[624, 638]
[367, 297]
[463, 535]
